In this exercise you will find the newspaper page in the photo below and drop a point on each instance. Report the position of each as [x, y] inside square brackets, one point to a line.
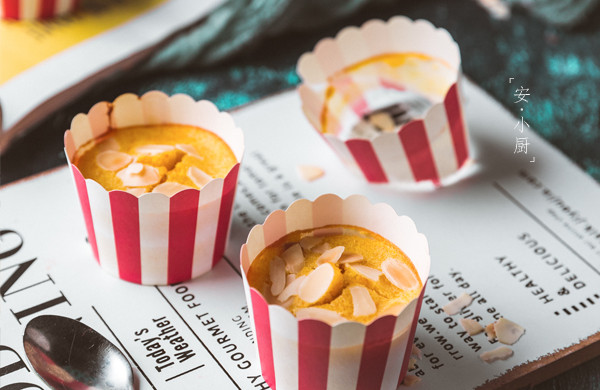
[521, 237]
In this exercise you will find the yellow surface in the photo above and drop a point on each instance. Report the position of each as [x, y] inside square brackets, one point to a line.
[374, 249]
[216, 157]
[24, 44]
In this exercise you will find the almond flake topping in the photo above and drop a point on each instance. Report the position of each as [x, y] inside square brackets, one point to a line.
[277, 275]
[455, 306]
[507, 331]
[136, 191]
[291, 289]
[111, 160]
[367, 272]
[294, 258]
[362, 301]
[500, 353]
[331, 255]
[490, 331]
[350, 258]
[310, 172]
[153, 149]
[170, 188]
[198, 176]
[138, 175]
[411, 380]
[317, 313]
[189, 149]
[399, 274]
[470, 326]
[317, 283]
[319, 249]
[309, 242]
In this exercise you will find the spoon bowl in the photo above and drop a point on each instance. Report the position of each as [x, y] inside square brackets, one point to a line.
[70, 355]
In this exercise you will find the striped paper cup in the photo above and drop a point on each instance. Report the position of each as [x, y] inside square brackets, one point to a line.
[154, 238]
[431, 146]
[36, 9]
[311, 354]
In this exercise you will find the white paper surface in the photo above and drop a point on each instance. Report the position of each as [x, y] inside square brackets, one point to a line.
[480, 230]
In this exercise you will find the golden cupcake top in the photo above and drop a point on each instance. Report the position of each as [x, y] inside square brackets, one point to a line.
[156, 158]
[336, 273]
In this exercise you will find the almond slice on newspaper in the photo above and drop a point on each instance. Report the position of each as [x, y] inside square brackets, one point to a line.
[310, 172]
[291, 289]
[189, 149]
[277, 275]
[417, 352]
[508, 332]
[500, 353]
[455, 306]
[138, 175]
[169, 188]
[331, 255]
[320, 249]
[153, 149]
[470, 326]
[350, 258]
[367, 272]
[362, 301]
[490, 331]
[322, 284]
[317, 313]
[399, 274]
[309, 242]
[111, 160]
[198, 176]
[294, 258]
[411, 380]
[412, 364]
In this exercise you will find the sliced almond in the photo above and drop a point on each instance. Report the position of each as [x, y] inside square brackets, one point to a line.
[309, 242]
[198, 176]
[507, 331]
[331, 255]
[136, 191]
[170, 188]
[132, 176]
[189, 149]
[291, 289]
[290, 278]
[362, 301]
[411, 380]
[153, 149]
[109, 143]
[310, 172]
[111, 160]
[470, 326]
[490, 331]
[383, 121]
[455, 306]
[328, 231]
[412, 364]
[367, 272]
[417, 352]
[317, 313]
[319, 249]
[322, 284]
[350, 258]
[399, 274]
[294, 258]
[277, 275]
[500, 353]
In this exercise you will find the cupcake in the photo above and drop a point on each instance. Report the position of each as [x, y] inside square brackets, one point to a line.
[36, 9]
[156, 178]
[334, 288]
[385, 97]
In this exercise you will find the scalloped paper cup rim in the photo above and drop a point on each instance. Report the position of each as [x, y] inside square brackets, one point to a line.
[284, 328]
[156, 238]
[441, 132]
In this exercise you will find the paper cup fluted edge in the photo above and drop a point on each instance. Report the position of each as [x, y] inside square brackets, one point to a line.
[431, 148]
[155, 238]
[311, 354]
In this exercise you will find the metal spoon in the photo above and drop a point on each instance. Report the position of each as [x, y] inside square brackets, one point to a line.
[70, 355]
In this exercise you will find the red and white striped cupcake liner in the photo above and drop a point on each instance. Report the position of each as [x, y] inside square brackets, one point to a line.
[310, 354]
[36, 9]
[154, 238]
[431, 148]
